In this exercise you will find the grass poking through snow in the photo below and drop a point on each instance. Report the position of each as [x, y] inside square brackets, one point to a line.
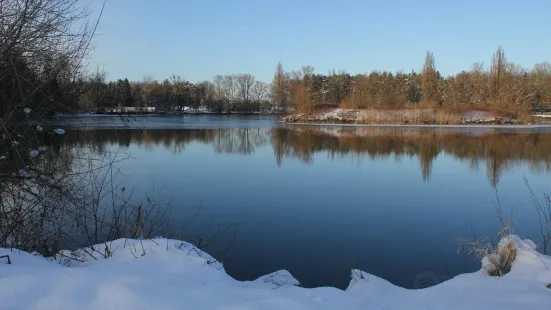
[497, 260]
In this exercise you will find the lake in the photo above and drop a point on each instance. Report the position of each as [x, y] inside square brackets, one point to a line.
[322, 200]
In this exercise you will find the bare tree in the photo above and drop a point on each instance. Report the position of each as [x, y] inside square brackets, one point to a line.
[42, 47]
[259, 91]
[307, 71]
[429, 79]
[245, 84]
[498, 71]
[303, 98]
[541, 82]
[480, 80]
[230, 89]
[147, 88]
[279, 88]
[220, 99]
[44, 39]
[218, 82]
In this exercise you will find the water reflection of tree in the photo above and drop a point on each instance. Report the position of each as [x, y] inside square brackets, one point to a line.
[427, 154]
[498, 152]
[224, 140]
[239, 140]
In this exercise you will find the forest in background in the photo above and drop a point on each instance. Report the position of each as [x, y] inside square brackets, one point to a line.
[505, 86]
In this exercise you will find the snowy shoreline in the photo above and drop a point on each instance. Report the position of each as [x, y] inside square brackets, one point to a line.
[419, 125]
[420, 117]
[171, 274]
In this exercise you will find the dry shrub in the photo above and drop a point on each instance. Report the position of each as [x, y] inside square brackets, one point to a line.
[351, 101]
[497, 260]
[428, 104]
[501, 261]
[464, 107]
[409, 116]
[447, 118]
[369, 117]
[522, 114]
[543, 209]
[426, 116]
[525, 116]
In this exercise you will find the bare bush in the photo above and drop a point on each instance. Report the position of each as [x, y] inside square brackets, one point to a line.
[543, 209]
[89, 205]
[497, 259]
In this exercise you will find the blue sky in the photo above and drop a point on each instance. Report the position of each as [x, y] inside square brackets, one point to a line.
[198, 39]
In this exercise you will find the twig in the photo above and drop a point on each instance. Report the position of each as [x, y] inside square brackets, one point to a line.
[8, 257]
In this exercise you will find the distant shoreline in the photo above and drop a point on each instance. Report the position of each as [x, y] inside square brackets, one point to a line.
[61, 115]
[416, 117]
[525, 126]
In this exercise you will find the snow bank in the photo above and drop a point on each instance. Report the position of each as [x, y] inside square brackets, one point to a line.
[171, 274]
[400, 116]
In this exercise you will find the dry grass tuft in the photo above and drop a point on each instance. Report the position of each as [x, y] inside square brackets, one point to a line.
[525, 116]
[369, 118]
[445, 118]
[496, 260]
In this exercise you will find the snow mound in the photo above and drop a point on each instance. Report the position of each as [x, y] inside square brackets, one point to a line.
[171, 274]
[278, 279]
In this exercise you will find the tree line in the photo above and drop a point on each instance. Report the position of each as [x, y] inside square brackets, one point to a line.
[228, 93]
[505, 86]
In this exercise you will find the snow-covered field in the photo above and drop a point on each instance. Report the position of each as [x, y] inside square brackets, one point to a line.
[171, 274]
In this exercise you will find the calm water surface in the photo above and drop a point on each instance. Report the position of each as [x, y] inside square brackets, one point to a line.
[320, 201]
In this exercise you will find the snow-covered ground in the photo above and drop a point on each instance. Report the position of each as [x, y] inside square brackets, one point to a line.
[400, 116]
[80, 115]
[171, 274]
